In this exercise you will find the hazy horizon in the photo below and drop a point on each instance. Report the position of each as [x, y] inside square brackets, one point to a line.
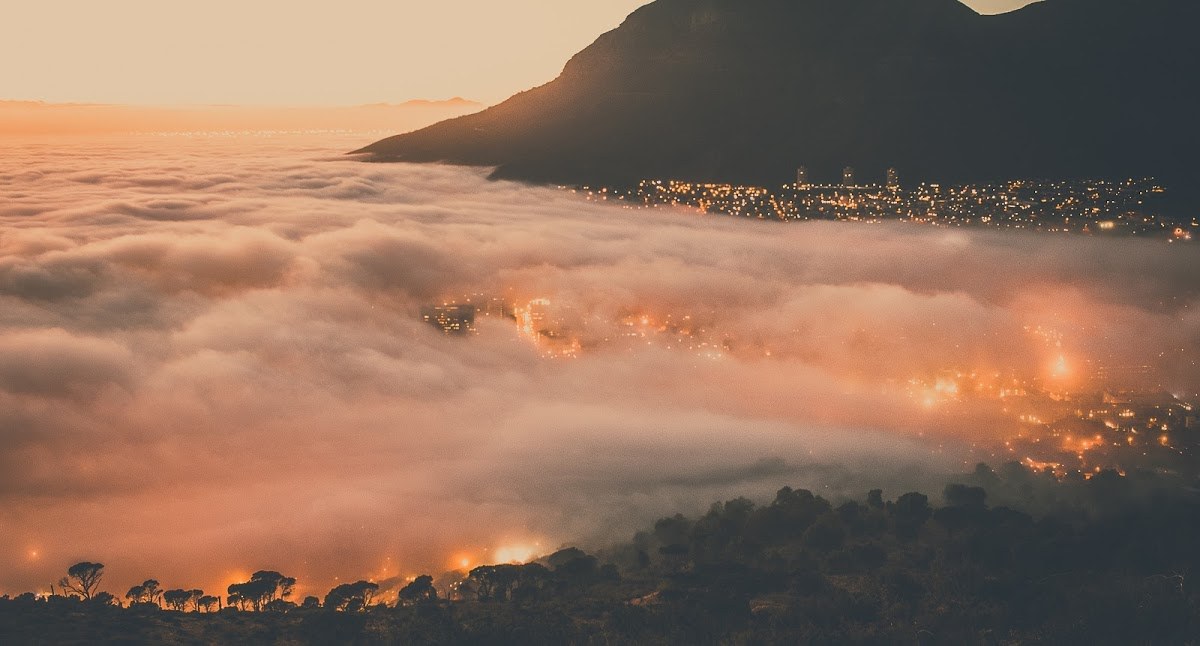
[24, 119]
[132, 52]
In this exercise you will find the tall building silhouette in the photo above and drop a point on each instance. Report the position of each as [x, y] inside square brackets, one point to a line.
[802, 177]
[893, 179]
[848, 176]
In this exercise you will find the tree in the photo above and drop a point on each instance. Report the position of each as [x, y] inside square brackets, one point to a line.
[574, 565]
[826, 534]
[105, 599]
[494, 582]
[264, 587]
[279, 606]
[351, 597]
[911, 511]
[83, 578]
[421, 590]
[176, 599]
[180, 599]
[208, 603]
[673, 530]
[147, 592]
[279, 586]
[958, 495]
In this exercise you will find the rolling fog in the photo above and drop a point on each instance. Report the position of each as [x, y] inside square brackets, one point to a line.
[212, 359]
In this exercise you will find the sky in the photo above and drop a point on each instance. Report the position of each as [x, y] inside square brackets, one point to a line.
[212, 359]
[296, 52]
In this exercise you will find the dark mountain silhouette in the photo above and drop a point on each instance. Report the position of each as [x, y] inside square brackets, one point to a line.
[747, 90]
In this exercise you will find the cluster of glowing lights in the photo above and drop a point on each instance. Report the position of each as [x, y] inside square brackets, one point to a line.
[1046, 404]
[1089, 206]
[558, 334]
[508, 554]
[1053, 406]
[537, 323]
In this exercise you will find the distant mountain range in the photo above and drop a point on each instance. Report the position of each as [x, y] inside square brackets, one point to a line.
[748, 90]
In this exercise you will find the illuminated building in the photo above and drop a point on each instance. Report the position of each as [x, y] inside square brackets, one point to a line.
[893, 179]
[848, 176]
[802, 177]
[536, 315]
[495, 307]
[451, 319]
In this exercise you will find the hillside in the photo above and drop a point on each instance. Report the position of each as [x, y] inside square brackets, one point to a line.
[747, 90]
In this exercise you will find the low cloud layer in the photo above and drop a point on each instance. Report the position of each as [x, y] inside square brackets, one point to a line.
[38, 119]
[212, 358]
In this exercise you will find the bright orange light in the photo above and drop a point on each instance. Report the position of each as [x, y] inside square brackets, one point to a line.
[515, 553]
[461, 561]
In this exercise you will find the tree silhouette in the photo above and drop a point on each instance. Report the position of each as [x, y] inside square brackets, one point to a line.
[911, 511]
[208, 602]
[264, 587]
[176, 599]
[278, 585]
[421, 590]
[279, 605]
[351, 597]
[958, 495]
[82, 579]
[180, 599]
[147, 592]
[507, 582]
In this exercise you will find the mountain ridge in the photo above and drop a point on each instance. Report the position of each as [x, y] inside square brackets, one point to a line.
[748, 90]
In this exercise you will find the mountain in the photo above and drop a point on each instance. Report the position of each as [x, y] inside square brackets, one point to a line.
[747, 90]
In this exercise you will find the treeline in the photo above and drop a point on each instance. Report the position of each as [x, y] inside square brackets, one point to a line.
[266, 591]
[1112, 562]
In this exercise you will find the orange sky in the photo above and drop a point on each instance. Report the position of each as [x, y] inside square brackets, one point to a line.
[36, 119]
[296, 52]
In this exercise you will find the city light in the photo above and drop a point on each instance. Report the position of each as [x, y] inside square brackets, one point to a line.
[1083, 206]
[1064, 415]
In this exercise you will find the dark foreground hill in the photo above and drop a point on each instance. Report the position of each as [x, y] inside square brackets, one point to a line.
[1110, 560]
[747, 90]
